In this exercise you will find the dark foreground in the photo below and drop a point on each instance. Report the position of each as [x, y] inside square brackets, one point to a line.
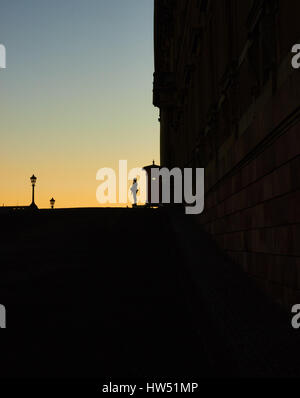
[132, 293]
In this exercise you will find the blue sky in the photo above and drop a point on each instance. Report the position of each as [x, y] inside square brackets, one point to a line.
[76, 95]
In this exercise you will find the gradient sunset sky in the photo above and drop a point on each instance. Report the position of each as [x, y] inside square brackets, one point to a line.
[76, 96]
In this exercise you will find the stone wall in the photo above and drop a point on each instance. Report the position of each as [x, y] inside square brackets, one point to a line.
[229, 101]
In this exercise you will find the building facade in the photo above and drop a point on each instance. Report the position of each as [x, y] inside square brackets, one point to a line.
[229, 101]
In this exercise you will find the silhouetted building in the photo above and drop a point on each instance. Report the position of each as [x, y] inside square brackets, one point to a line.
[229, 102]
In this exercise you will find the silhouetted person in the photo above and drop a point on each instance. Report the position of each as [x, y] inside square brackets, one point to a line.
[134, 191]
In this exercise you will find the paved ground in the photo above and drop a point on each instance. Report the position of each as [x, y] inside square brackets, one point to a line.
[122, 292]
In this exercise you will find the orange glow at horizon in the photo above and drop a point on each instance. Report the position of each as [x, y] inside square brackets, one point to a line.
[76, 97]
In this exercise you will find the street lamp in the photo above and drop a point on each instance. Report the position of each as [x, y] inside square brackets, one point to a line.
[33, 182]
[52, 202]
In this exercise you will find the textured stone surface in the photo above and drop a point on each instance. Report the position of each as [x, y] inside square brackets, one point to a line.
[235, 111]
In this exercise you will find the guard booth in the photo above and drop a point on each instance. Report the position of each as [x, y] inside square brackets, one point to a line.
[149, 180]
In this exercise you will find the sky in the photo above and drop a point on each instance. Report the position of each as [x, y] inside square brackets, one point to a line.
[76, 96]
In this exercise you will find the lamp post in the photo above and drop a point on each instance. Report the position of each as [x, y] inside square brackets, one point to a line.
[52, 202]
[33, 182]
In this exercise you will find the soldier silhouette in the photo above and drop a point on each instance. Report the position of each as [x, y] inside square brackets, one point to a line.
[134, 191]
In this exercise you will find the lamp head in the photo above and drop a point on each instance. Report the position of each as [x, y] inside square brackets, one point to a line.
[33, 179]
[52, 202]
